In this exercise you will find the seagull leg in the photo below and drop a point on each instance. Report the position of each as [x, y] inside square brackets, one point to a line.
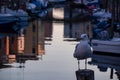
[78, 65]
[85, 63]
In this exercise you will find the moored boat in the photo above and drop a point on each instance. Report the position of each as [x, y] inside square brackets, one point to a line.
[102, 40]
[7, 21]
[106, 46]
[107, 29]
[6, 18]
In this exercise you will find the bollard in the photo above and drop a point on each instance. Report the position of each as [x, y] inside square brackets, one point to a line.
[85, 74]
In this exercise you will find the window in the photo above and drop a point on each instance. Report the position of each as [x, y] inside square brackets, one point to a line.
[33, 27]
[33, 50]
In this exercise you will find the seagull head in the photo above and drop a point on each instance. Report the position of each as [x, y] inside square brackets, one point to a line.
[84, 37]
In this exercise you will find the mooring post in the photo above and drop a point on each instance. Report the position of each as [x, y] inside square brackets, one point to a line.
[84, 74]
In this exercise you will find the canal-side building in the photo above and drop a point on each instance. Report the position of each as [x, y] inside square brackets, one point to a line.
[17, 44]
[4, 49]
[48, 31]
[7, 55]
[34, 38]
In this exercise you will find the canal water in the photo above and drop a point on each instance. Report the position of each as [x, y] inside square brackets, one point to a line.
[56, 61]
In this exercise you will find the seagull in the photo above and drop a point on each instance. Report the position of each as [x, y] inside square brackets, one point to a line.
[83, 50]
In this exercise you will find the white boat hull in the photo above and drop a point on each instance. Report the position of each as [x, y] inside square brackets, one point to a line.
[106, 46]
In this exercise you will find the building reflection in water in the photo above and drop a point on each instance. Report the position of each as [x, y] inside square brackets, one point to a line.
[48, 30]
[28, 44]
[77, 29]
[7, 55]
[107, 62]
[103, 63]
[84, 74]
[79, 22]
[34, 39]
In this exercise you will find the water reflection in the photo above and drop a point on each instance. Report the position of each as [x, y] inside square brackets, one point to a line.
[103, 63]
[77, 29]
[27, 44]
[85, 74]
[5, 66]
[52, 40]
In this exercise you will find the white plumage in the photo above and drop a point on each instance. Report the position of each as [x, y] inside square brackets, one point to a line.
[83, 49]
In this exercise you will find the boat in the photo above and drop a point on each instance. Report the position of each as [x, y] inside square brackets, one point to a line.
[13, 11]
[6, 18]
[7, 21]
[106, 31]
[102, 40]
[7, 27]
[106, 46]
[36, 8]
[12, 21]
